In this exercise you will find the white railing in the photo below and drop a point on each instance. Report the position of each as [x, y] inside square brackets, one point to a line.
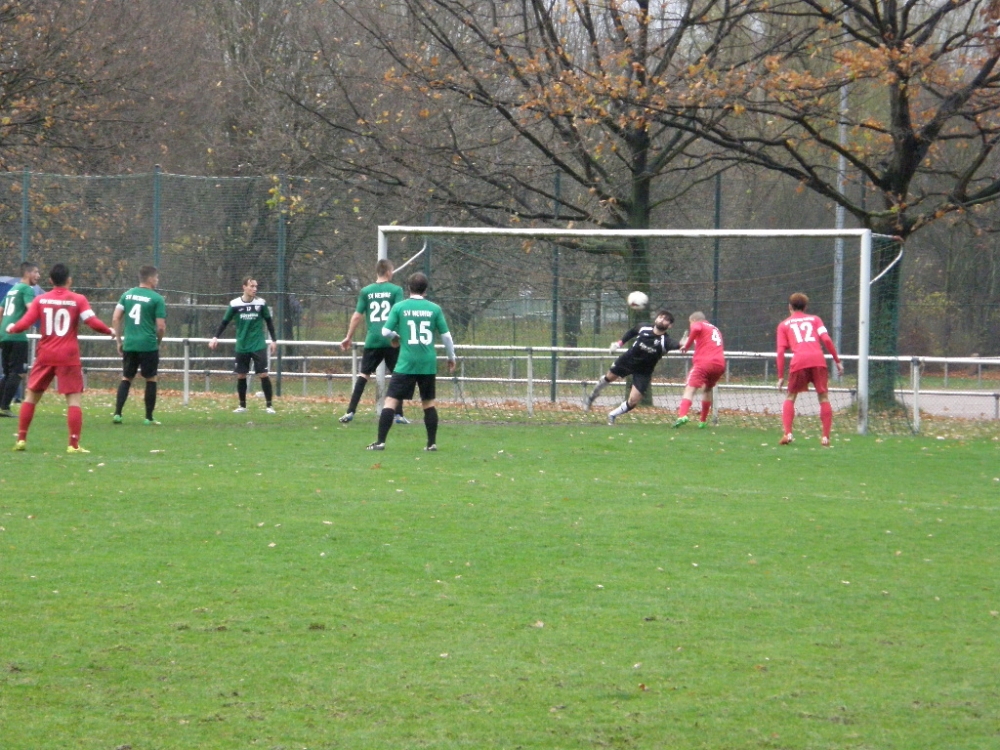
[524, 375]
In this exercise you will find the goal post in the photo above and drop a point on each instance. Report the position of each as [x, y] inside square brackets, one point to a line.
[863, 238]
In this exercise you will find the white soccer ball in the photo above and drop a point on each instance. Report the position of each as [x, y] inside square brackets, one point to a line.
[638, 300]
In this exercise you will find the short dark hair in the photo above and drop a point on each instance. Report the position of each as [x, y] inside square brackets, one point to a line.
[59, 274]
[798, 301]
[27, 266]
[384, 267]
[146, 273]
[417, 283]
[248, 279]
[663, 311]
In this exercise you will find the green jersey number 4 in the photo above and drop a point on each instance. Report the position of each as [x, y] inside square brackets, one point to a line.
[136, 313]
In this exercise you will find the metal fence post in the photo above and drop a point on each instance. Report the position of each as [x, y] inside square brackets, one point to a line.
[531, 382]
[187, 372]
[915, 381]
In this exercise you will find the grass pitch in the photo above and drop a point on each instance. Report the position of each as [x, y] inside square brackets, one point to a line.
[237, 581]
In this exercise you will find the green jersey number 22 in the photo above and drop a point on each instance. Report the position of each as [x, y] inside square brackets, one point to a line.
[378, 311]
[420, 333]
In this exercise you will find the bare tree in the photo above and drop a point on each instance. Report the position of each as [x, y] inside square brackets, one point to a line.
[922, 119]
[478, 104]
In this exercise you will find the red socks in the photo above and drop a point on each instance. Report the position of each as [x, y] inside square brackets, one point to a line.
[684, 408]
[24, 418]
[826, 417]
[787, 416]
[74, 420]
[706, 410]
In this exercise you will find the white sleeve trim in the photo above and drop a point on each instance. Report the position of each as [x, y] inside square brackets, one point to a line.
[87, 314]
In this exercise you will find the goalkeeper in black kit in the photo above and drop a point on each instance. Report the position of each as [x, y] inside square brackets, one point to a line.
[649, 344]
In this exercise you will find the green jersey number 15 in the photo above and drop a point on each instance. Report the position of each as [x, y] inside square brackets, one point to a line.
[420, 333]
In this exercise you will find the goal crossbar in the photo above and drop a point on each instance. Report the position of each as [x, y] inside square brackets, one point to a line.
[864, 237]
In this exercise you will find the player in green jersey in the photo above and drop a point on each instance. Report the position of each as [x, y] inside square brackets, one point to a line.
[140, 318]
[14, 346]
[411, 326]
[374, 303]
[251, 314]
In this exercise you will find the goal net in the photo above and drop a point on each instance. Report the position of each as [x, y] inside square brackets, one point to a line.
[533, 313]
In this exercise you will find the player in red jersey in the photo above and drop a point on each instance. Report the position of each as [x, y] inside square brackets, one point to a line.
[707, 365]
[58, 355]
[805, 335]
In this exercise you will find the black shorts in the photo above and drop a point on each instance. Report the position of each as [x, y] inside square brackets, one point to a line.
[15, 357]
[372, 358]
[259, 359]
[641, 379]
[146, 363]
[402, 386]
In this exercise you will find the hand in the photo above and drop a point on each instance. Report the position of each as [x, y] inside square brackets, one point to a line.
[840, 369]
[213, 343]
[451, 365]
[345, 344]
[9, 326]
[394, 343]
[272, 347]
[781, 384]
[683, 342]
[615, 346]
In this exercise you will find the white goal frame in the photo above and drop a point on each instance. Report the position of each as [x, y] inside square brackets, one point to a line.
[864, 236]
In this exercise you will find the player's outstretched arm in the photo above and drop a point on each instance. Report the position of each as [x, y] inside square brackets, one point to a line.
[352, 326]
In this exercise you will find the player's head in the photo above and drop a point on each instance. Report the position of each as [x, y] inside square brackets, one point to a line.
[384, 269]
[696, 317]
[417, 283]
[149, 276]
[798, 302]
[663, 319]
[29, 272]
[249, 286]
[60, 274]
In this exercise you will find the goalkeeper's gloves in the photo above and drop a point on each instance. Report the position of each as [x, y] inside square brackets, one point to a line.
[615, 346]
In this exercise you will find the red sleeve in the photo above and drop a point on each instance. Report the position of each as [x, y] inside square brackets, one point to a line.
[693, 332]
[782, 346]
[28, 319]
[828, 343]
[98, 325]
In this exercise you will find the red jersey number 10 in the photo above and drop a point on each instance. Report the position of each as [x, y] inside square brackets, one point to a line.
[55, 322]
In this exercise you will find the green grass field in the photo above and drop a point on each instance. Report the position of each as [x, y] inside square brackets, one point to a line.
[246, 581]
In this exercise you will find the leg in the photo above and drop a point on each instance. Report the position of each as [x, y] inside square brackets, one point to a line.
[825, 418]
[430, 423]
[707, 398]
[359, 388]
[15, 358]
[634, 397]
[241, 390]
[26, 415]
[385, 420]
[787, 418]
[121, 398]
[149, 398]
[603, 383]
[265, 385]
[74, 419]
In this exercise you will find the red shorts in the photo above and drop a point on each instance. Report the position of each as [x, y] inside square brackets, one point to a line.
[70, 378]
[705, 376]
[799, 380]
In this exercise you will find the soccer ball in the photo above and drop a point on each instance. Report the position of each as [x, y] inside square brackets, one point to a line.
[638, 300]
